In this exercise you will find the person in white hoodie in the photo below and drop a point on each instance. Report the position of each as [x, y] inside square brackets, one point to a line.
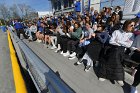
[33, 30]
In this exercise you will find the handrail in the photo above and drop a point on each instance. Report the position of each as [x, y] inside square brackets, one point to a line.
[43, 76]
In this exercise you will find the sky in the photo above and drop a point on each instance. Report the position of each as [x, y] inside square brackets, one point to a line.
[38, 5]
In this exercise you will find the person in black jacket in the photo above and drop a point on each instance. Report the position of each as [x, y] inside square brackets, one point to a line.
[113, 23]
[119, 12]
[92, 54]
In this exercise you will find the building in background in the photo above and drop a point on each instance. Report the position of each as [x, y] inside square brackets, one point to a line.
[44, 13]
[128, 6]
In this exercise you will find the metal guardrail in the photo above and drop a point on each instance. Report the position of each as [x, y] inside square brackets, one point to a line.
[44, 78]
[69, 9]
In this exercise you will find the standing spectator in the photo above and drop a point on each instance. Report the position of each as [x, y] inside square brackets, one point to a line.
[112, 68]
[78, 7]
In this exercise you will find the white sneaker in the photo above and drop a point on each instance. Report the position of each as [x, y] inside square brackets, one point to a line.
[66, 54]
[102, 79]
[30, 38]
[53, 47]
[73, 54]
[57, 50]
[120, 83]
[61, 53]
[87, 68]
[39, 41]
[79, 62]
[71, 58]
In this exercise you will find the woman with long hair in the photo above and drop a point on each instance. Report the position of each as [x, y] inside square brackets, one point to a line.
[111, 67]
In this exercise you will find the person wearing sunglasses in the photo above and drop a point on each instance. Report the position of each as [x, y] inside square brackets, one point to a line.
[111, 67]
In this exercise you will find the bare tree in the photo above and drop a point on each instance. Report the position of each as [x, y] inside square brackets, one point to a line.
[14, 11]
[4, 11]
[26, 10]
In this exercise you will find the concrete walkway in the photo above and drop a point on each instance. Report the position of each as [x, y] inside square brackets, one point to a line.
[75, 76]
[6, 74]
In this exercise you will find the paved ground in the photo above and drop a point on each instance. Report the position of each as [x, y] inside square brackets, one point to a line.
[75, 76]
[6, 75]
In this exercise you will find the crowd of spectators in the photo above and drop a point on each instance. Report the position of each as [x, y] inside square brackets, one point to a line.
[97, 38]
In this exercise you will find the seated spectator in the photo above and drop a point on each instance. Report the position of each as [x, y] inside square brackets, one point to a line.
[94, 16]
[94, 48]
[137, 26]
[84, 41]
[33, 30]
[111, 68]
[106, 14]
[40, 34]
[63, 37]
[47, 30]
[19, 28]
[99, 19]
[71, 43]
[119, 12]
[60, 33]
[53, 37]
[113, 23]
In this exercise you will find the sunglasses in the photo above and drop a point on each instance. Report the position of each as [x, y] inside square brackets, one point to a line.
[132, 25]
[99, 26]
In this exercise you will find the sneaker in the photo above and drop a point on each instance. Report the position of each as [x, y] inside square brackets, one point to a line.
[66, 54]
[71, 58]
[79, 62]
[39, 41]
[73, 54]
[49, 47]
[53, 47]
[30, 38]
[61, 53]
[102, 79]
[120, 83]
[57, 50]
[87, 68]
[133, 90]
